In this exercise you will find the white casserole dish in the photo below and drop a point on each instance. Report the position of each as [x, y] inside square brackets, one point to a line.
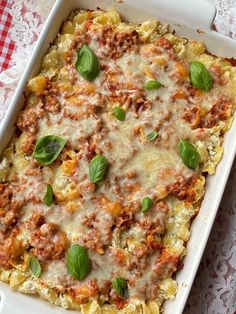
[186, 17]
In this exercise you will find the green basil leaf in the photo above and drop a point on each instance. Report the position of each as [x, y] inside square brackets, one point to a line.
[147, 203]
[87, 63]
[153, 85]
[49, 197]
[35, 266]
[121, 287]
[200, 76]
[48, 148]
[151, 136]
[77, 262]
[119, 113]
[189, 154]
[97, 168]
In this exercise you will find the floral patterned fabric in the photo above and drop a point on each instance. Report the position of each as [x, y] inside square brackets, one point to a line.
[214, 289]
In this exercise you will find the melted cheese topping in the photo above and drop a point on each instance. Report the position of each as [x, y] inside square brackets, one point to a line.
[121, 241]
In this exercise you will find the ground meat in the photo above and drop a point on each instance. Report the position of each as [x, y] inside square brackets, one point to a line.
[194, 92]
[220, 111]
[131, 174]
[179, 94]
[28, 119]
[80, 38]
[135, 101]
[115, 299]
[147, 290]
[116, 43]
[141, 252]
[118, 255]
[165, 43]
[11, 216]
[104, 287]
[10, 250]
[166, 264]
[83, 114]
[86, 187]
[6, 195]
[193, 116]
[141, 104]
[49, 97]
[28, 145]
[36, 220]
[48, 242]
[52, 104]
[34, 171]
[10, 210]
[83, 293]
[153, 242]
[154, 220]
[217, 73]
[183, 189]
[99, 234]
[88, 220]
[125, 220]
[91, 240]
[91, 151]
[152, 227]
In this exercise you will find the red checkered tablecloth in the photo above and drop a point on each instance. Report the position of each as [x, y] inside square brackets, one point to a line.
[6, 44]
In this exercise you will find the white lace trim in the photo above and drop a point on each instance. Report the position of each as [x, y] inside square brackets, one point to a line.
[214, 289]
[225, 21]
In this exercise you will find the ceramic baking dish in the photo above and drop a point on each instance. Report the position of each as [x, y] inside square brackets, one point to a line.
[189, 18]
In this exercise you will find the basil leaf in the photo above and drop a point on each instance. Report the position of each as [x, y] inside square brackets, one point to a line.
[151, 136]
[87, 63]
[121, 287]
[153, 85]
[147, 203]
[35, 266]
[200, 76]
[77, 262]
[189, 154]
[49, 197]
[119, 113]
[48, 148]
[97, 168]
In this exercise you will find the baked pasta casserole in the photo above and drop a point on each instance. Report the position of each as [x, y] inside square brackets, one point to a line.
[107, 166]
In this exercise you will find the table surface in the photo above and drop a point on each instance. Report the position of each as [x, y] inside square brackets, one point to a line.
[214, 289]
